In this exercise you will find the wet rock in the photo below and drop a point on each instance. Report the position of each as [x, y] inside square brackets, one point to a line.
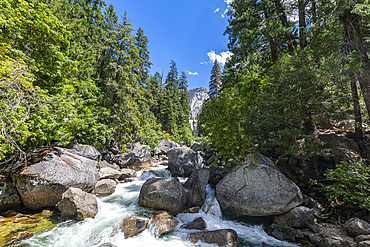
[298, 217]
[150, 174]
[107, 172]
[183, 161]
[162, 222]
[9, 197]
[163, 193]
[86, 151]
[104, 187]
[198, 224]
[137, 158]
[77, 203]
[195, 188]
[131, 226]
[107, 245]
[257, 189]
[164, 146]
[104, 163]
[42, 184]
[21, 236]
[361, 238]
[216, 175]
[225, 237]
[192, 210]
[356, 226]
[127, 173]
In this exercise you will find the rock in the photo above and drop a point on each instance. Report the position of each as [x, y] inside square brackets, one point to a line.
[138, 158]
[192, 210]
[9, 197]
[104, 163]
[256, 190]
[162, 222]
[104, 187]
[77, 203]
[131, 226]
[361, 238]
[356, 226]
[107, 245]
[107, 172]
[21, 236]
[86, 151]
[163, 193]
[183, 161]
[364, 244]
[197, 147]
[164, 146]
[216, 175]
[150, 174]
[195, 188]
[341, 147]
[197, 97]
[198, 224]
[127, 173]
[298, 217]
[225, 237]
[42, 184]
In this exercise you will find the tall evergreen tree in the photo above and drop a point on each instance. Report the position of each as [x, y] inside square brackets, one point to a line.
[215, 80]
[144, 63]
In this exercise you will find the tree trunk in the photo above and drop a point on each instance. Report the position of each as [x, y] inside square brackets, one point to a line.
[357, 110]
[302, 23]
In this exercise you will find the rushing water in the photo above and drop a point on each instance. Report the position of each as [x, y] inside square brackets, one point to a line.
[105, 227]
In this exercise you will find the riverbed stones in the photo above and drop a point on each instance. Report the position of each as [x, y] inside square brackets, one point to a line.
[104, 187]
[356, 226]
[107, 172]
[163, 193]
[137, 158]
[127, 173]
[133, 225]
[195, 188]
[107, 245]
[162, 222]
[224, 237]
[9, 197]
[104, 163]
[257, 189]
[86, 151]
[42, 184]
[182, 161]
[197, 224]
[78, 204]
[164, 146]
[299, 217]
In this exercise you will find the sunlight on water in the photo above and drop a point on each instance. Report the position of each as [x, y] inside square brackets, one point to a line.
[123, 203]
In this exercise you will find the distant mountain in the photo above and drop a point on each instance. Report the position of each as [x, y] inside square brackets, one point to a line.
[197, 97]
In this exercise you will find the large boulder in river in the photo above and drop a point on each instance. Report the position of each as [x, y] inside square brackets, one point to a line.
[9, 197]
[163, 193]
[77, 203]
[195, 188]
[136, 158]
[133, 225]
[162, 222]
[42, 184]
[165, 145]
[224, 237]
[183, 161]
[104, 187]
[257, 189]
[85, 151]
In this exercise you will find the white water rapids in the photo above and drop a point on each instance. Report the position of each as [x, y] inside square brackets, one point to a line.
[105, 227]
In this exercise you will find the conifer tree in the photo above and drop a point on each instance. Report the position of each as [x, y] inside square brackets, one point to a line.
[215, 80]
[144, 63]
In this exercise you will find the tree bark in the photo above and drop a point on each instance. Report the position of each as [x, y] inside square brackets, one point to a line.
[357, 110]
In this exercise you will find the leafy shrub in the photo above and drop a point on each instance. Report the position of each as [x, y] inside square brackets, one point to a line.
[350, 184]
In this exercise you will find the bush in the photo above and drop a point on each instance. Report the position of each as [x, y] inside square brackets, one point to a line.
[350, 184]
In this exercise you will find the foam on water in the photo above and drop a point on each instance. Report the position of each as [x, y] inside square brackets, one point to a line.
[105, 227]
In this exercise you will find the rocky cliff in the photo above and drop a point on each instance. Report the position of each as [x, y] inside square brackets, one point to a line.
[197, 97]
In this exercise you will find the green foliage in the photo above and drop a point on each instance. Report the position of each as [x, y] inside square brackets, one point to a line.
[350, 184]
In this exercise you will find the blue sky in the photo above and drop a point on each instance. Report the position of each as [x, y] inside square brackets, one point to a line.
[190, 32]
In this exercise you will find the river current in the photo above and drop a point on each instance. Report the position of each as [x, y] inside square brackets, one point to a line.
[105, 227]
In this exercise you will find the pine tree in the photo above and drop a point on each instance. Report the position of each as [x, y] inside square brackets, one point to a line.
[144, 63]
[215, 80]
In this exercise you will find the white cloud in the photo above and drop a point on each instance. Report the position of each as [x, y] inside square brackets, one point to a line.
[222, 58]
[229, 1]
[191, 73]
[223, 15]
[218, 9]
[204, 63]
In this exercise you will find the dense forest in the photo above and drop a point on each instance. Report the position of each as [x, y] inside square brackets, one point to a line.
[73, 71]
[297, 68]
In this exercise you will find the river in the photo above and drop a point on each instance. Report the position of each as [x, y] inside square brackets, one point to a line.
[105, 227]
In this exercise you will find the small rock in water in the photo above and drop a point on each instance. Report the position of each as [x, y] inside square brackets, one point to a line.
[104, 187]
[134, 225]
[192, 210]
[225, 237]
[21, 236]
[198, 224]
[162, 222]
[107, 245]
